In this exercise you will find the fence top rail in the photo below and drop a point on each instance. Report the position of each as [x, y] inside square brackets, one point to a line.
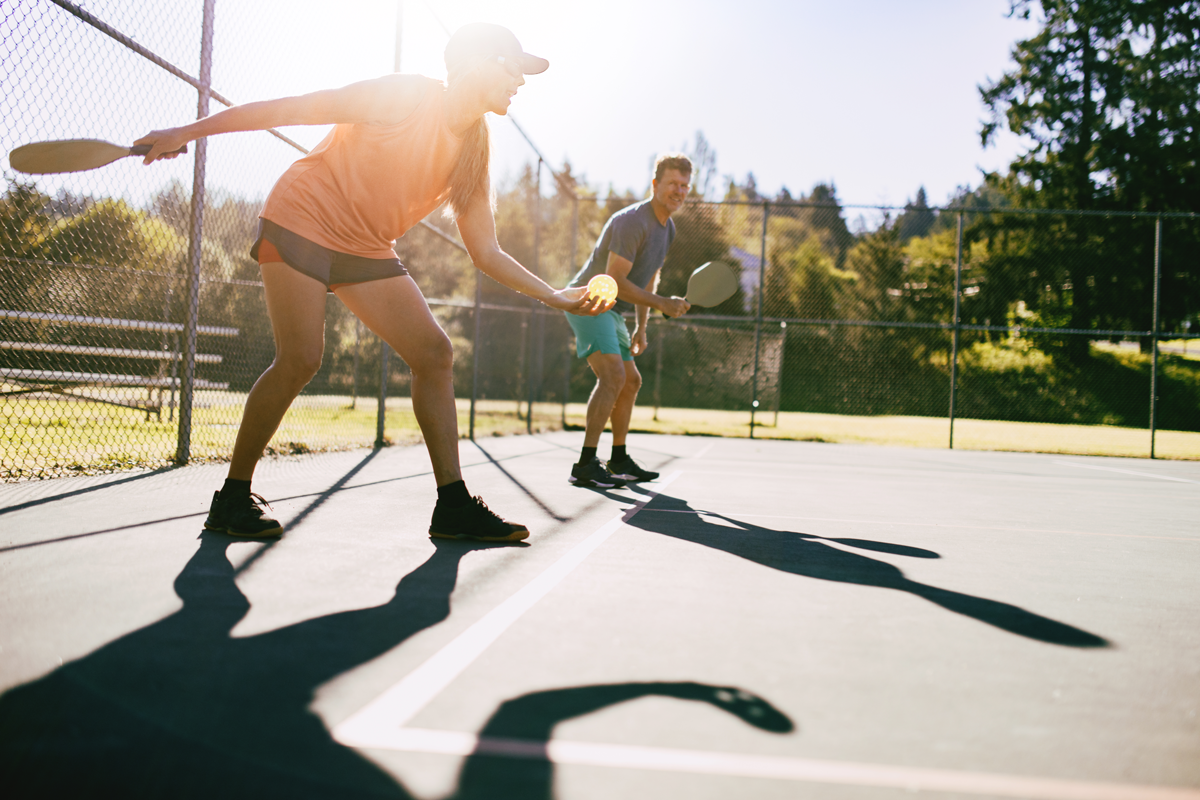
[108, 322]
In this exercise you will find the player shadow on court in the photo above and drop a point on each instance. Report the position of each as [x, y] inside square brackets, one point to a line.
[811, 556]
[181, 709]
[510, 762]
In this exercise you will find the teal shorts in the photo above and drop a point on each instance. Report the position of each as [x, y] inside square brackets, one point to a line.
[604, 333]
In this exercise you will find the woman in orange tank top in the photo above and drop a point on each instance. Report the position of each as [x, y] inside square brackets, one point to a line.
[406, 144]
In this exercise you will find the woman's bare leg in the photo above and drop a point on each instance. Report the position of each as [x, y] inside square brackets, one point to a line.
[296, 306]
[395, 310]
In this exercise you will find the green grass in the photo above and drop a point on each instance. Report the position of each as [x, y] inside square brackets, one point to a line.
[50, 438]
[53, 438]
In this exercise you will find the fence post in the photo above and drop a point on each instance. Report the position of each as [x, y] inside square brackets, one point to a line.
[954, 341]
[574, 251]
[1154, 330]
[183, 447]
[354, 374]
[475, 350]
[381, 414]
[782, 371]
[762, 281]
[535, 338]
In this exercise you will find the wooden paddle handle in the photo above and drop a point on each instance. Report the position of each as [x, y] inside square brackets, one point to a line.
[143, 149]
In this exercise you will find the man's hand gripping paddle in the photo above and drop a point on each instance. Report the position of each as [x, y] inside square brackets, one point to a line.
[71, 155]
[710, 284]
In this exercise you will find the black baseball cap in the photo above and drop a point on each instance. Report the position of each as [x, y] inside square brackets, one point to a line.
[483, 40]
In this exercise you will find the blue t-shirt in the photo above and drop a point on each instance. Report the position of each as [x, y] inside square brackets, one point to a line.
[635, 234]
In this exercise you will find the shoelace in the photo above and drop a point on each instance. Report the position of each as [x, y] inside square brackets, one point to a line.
[259, 501]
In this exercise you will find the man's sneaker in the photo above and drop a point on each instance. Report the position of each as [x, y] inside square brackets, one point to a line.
[474, 521]
[629, 470]
[594, 473]
[241, 518]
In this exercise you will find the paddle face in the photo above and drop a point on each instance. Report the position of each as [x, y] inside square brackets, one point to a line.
[711, 284]
[71, 155]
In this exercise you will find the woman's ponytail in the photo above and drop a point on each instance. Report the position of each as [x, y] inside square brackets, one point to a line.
[470, 175]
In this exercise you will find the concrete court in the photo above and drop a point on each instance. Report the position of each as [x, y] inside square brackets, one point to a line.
[768, 620]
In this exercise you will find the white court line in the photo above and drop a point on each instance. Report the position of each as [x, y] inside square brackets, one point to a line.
[663, 759]
[704, 451]
[1127, 472]
[381, 718]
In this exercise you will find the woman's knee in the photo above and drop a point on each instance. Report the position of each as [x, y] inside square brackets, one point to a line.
[298, 365]
[435, 355]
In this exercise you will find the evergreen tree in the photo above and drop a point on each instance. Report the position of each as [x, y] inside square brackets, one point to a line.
[918, 219]
[1108, 92]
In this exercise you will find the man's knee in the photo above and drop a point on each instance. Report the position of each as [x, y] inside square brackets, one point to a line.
[633, 378]
[609, 369]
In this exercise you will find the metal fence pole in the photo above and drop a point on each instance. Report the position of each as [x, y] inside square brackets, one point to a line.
[381, 414]
[762, 281]
[954, 341]
[475, 350]
[1154, 331]
[782, 371]
[658, 372]
[354, 374]
[534, 317]
[183, 446]
[574, 251]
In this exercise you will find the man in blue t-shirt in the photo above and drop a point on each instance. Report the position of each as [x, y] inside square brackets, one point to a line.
[631, 248]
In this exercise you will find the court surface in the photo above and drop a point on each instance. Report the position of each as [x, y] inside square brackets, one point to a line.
[766, 620]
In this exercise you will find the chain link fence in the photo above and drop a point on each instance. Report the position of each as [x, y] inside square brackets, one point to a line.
[132, 322]
[983, 314]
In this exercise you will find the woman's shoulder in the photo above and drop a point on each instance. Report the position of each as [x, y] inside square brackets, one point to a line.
[399, 95]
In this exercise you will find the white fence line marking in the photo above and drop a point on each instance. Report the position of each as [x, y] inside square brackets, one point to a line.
[1127, 472]
[418, 740]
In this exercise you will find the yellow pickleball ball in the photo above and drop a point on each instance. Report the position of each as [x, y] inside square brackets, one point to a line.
[603, 286]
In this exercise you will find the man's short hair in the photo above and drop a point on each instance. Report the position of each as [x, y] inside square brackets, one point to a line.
[675, 161]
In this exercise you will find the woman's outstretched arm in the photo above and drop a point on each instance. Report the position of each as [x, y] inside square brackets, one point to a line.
[385, 100]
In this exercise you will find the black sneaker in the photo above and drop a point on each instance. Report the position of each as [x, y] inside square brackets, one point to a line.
[244, 518]
[594, 473]
[474, 521]
[629, 470]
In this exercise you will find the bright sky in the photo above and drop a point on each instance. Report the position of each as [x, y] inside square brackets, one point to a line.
[878, 96]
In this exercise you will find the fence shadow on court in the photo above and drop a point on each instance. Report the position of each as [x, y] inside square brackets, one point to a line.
[809, 556]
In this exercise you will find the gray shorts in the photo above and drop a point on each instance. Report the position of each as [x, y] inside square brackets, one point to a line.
[330, 267]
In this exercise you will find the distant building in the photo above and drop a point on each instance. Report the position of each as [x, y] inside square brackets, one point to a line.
[751, 264]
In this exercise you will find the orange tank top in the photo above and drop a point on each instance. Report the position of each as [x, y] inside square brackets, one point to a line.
[364, 185]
